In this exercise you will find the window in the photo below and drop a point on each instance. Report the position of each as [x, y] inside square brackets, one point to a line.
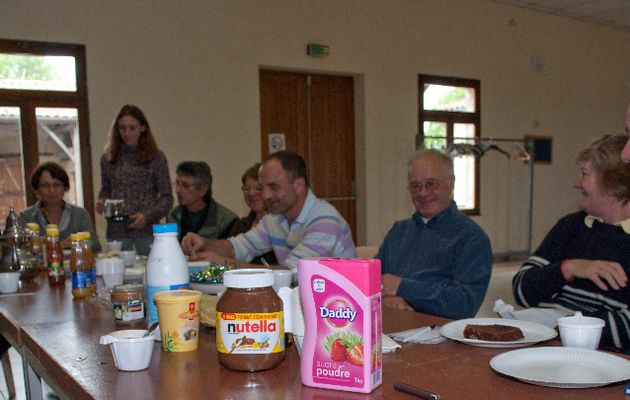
[43, 117]
[448, 114]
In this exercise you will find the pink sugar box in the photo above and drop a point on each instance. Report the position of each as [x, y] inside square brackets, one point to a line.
[341, 300]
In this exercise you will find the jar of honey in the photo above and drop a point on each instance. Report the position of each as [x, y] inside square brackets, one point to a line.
[128, 302]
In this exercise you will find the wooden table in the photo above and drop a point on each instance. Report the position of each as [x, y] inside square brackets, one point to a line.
[59, 338]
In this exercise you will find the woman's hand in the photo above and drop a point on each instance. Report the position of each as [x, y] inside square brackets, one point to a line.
[601, 273]
[138, 221]
[100, 206]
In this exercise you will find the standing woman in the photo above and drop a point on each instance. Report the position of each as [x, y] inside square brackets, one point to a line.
[133, 169]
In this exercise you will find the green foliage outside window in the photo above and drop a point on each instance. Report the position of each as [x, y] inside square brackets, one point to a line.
[25, 67]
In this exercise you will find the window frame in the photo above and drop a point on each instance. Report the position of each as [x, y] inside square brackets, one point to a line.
[28, 100]
[450, 118]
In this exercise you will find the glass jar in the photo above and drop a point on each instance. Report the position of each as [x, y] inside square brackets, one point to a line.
[128, 303]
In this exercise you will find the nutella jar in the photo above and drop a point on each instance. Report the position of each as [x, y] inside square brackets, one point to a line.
[250, 322]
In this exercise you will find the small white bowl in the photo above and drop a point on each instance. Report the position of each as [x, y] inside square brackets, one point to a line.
[9, 282]
[131, 351]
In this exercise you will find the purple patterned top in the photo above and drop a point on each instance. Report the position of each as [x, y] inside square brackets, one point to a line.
[145, 188]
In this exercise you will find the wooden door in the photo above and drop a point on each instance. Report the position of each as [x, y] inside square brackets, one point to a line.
[316, 115]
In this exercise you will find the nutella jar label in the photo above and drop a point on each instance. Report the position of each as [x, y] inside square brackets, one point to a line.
[250, 333]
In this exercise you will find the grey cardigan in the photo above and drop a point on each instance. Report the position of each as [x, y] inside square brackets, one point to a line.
[74, 219]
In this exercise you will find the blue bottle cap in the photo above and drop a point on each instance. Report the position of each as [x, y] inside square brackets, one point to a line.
[165, 228]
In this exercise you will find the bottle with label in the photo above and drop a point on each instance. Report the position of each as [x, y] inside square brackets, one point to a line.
[36, 244]
[54, 256]
[86, 240]
[81, 283]
[167, 268]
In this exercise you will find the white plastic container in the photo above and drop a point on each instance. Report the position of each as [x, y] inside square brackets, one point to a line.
[9, 282]
[167, 268]
[131, 350]
[580, 331]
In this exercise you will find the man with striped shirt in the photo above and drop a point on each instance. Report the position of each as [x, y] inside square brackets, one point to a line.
[298, 224]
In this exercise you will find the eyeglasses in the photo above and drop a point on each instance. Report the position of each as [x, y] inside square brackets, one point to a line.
[54, 185]
[246, 188]
[430, 185]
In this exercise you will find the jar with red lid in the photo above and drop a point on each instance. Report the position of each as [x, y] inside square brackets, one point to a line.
[250, 321]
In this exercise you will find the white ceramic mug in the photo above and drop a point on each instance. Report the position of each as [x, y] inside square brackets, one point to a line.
[580, 331]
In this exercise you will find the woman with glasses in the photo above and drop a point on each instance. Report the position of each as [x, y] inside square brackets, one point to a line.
[50, 183]
[133, 169]
[253, 198]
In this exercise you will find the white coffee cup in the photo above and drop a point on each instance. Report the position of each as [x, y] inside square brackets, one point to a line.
[112, 269]
[9, 282]
[580, 331]
[282, 277]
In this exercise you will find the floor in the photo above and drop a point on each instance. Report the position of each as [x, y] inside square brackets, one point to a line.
[18, 377]
[500, 288]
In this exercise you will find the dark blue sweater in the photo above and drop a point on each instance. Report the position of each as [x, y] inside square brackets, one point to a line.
[539, 282]
[445, 264]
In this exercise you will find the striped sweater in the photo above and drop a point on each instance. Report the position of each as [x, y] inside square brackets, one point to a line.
[319, 231]
[539, 282]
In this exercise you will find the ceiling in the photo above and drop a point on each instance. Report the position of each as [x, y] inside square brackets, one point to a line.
[612, 13]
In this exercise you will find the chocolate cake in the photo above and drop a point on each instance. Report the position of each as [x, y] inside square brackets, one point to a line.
[493, 333]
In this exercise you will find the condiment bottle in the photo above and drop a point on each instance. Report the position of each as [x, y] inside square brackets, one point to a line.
[81, 283]
[37, 246]
[167, 268]
[54, 258]
[250, 321]
[86, 238]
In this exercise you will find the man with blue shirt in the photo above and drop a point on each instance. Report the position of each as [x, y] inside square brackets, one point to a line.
[438, 261]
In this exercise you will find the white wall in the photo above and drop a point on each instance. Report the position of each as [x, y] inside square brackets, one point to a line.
[193, 68]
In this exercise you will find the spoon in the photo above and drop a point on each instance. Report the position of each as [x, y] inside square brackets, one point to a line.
[151, 329]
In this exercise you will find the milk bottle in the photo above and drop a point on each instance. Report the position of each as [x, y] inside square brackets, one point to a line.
[341, 299]
[167, 268]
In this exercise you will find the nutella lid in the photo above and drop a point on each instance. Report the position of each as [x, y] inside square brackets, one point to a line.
[248, 278]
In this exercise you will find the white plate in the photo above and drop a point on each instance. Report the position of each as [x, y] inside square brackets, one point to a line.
[562, 367]
[210, 288]
[532, 331]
